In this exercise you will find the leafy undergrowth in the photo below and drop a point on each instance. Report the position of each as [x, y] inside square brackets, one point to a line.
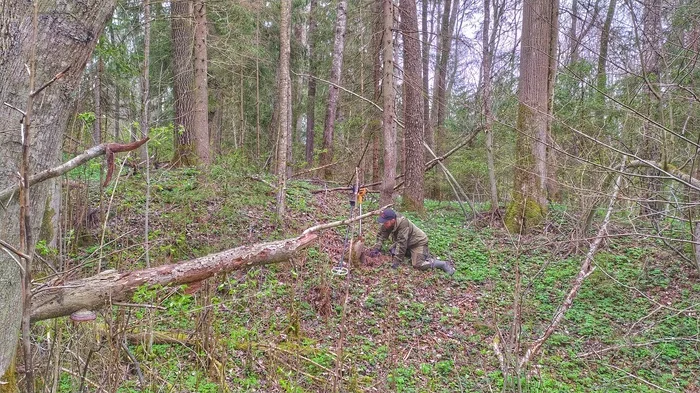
[290, 327]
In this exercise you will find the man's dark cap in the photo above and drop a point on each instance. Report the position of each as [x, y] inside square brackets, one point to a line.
[386, 215]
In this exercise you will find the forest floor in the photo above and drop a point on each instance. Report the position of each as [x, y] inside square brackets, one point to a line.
[292, 326]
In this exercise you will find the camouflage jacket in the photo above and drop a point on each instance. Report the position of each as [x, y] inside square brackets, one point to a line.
[404, 234]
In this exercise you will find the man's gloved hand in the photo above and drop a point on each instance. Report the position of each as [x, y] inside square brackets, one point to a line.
[374, 252]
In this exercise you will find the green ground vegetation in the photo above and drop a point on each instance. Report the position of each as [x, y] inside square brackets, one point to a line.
[280, 328]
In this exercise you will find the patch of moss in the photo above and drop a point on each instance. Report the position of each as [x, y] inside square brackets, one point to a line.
[523, 214]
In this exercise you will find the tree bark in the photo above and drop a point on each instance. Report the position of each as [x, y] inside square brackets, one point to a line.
[550, 182]
[650, 51]
[375, 125]
[201, 95]
[389, 127]
[488, 37]
[413, 108]
[284, 106]
[311, 99]
[426, 38]
[333, 91]
[529, 197]
[111, 286]
[145, 78]
[601, 72]
[65, 41]
[183, 83]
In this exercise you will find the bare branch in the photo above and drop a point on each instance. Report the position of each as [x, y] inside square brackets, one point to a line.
[343, 222]
[586, 269]
[73, 163]
[47, 84]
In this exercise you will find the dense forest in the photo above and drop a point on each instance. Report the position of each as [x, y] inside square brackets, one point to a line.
[188, 191]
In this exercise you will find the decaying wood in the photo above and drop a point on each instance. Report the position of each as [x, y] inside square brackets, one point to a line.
[87, 155]
[113, 286]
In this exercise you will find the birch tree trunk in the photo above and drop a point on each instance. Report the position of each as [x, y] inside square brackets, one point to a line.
[65, 41]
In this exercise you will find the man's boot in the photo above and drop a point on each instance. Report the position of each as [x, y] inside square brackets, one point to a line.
[442, 265]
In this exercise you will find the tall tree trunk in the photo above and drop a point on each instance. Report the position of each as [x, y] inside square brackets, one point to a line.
[284, 105]
[183, 83]
[573, 34]
[64, 44]
[426, 38]
[333, 91]
[440, 90]
[201, 109]
[439, 14]
[437, 112]
[529, 198]
[311, 99]
[488, 38]
[145, 77]
[143, 150]
[375, 125]
[651, 70]
[389, 127]
[601, 73]
[551, 182]
[413, 108]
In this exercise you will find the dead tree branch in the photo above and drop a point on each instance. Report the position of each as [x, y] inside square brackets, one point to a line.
[73, 163]
[343, 222]
[586, 269]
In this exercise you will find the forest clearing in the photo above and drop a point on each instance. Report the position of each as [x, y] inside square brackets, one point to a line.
[334, 196]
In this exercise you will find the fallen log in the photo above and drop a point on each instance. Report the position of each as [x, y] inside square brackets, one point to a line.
[112, 286]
